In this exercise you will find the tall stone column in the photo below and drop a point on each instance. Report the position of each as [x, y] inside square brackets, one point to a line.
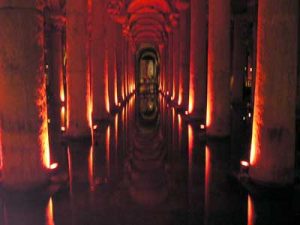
[23, 107]
[119, 63]
[273, 137]
[175, 54]
[112, 70]
[198, 59]
[78, 69]
[184, 70]
[100, 110]
[218, 89]
[239, 60]
[56, 25]
[170, 69]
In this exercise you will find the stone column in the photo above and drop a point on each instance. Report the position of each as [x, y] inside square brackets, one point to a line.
[218, 89]
[119, 63]
[273, 138]
[98, 60]
[112, 70]
[77, 68]
[170, 69]
[184, 63]
[198, 59]
[23, 107]
[176, 45]
[239, 60]
[56, 25]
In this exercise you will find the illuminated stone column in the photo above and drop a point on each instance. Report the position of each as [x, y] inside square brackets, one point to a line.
[78, 69]
[119, 63]
[170, 66]
[23, 107]
[239, 59]
[175, 65]
[198, 59]
[218, 89]
[111, 45]
[56, 24]
[273, 138]
[98, 67]
[184, 58]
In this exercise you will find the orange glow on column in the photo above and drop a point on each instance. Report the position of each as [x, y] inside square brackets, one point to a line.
[258, 111]
[210, 96]
[179, 96]
[43, 132]
[106, 83]
[91, 168]
[191, 92]
[89, 97]
[49, 213]
[62, 118]
[251, 215]
[115, 84]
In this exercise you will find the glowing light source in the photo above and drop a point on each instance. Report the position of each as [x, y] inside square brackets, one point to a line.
[244, 163]
[63, 129]
[202, 126]
[53, 166]
[95, 126]
[186, 112]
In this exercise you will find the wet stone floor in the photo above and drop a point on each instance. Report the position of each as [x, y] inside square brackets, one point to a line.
[163, 175]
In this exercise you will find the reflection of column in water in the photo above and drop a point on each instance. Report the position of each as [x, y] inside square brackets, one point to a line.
[26, 211]
[107, 150]
[207, 184]
[179, 131]
[91, 168]
[190, 149]
[251, 215]
[70, 171]
[49, 213]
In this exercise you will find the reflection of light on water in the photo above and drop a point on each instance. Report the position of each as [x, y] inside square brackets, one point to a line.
[207, 182]
[107, 150]
[91, 168]
[251, 215]
[190, 147]
[49, 213]
[70, 170]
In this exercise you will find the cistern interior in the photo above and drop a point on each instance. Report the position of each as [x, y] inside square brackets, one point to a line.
[153, 112]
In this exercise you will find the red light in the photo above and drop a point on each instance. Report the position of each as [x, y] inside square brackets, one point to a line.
[95, 127]
[202, 126]
[186, 112]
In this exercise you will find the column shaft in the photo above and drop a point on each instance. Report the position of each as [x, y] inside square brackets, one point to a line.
[78, 69]
[23, 107]
[273, 138]
[218, 91]
[198, 59]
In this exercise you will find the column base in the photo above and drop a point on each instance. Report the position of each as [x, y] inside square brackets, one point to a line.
[259, 188]
[78, 136]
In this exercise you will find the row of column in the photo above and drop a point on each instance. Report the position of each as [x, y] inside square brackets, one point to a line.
[99, 77]
[209, 89]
